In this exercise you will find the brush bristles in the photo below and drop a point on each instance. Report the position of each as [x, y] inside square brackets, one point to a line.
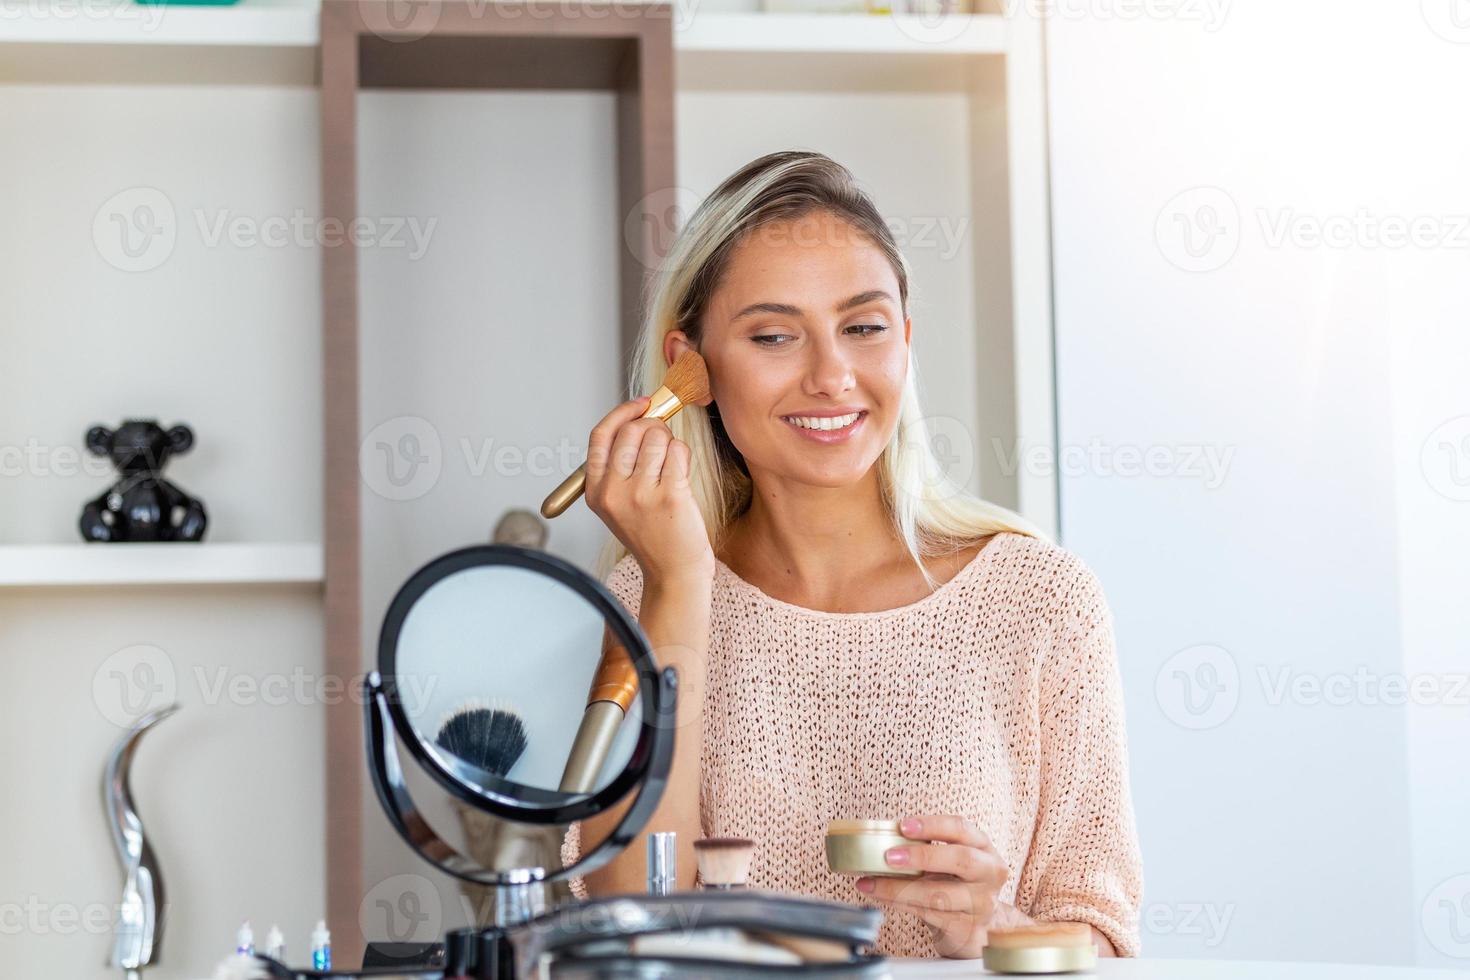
[490, 738]
[724, 860]
[688, 379]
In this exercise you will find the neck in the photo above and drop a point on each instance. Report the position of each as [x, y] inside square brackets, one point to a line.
[813, 539]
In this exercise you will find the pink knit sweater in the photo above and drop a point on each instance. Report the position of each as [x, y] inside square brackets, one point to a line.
[995, 697]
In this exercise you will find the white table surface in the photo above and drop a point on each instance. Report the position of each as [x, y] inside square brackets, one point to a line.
[1158, 969]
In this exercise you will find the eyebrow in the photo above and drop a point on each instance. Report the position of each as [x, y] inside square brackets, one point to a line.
[786, 309]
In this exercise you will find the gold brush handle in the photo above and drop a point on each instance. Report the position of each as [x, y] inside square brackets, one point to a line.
[662, 405]
[565, 494]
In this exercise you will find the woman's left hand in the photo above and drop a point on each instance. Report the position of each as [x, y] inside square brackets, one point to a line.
[957, 894]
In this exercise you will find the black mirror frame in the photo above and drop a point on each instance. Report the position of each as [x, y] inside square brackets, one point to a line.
[647, 769]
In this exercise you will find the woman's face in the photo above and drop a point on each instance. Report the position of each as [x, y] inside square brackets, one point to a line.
[807, 348]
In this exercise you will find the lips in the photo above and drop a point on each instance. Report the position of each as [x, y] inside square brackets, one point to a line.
[826, 429]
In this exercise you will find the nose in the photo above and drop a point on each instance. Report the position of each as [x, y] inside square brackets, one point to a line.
[829, 372]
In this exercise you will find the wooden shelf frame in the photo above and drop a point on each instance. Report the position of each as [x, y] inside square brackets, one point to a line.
[465, 44]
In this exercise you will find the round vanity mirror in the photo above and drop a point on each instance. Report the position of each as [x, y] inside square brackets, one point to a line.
[524, 689]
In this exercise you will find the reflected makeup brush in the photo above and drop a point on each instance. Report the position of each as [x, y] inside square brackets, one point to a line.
[614, 687]
[687, 383]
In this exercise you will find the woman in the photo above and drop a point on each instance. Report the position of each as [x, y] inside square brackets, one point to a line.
[856, 638]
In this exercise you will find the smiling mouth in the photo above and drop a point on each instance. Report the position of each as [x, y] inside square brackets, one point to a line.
[831, 423]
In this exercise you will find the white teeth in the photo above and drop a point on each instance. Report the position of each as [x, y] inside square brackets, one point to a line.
[826, 424]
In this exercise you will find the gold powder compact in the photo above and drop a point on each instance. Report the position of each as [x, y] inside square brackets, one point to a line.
[1047, 947]
[856, 847]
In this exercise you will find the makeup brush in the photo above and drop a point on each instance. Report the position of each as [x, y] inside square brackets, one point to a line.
[687, 383]
[614, 686]
[724, 862]
[490, 738]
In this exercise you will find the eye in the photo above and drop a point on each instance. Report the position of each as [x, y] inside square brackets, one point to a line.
[771, 339]
[866, 329]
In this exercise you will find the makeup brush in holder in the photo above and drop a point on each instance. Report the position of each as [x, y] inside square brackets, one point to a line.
[724, 862]
[687, 383]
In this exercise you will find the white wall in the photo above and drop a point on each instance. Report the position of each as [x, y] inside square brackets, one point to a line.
[1277, 822]
[227, 339]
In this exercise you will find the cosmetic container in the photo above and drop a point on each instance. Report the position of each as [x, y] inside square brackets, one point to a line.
[1047, 947]
[661, 858]
[856, 847]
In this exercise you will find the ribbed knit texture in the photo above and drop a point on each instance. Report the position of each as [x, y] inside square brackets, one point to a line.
[995, 697]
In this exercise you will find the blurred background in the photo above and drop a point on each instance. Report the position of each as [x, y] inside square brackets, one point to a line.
[1192, 287]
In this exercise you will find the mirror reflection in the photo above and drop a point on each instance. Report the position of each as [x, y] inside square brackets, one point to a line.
[508, 670]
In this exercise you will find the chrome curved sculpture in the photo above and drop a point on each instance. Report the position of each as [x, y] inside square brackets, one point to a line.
[138, 929]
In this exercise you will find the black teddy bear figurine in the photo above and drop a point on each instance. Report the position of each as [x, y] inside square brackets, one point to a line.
[142, 506]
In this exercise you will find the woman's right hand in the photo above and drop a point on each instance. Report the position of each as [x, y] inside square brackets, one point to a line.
[638, 483]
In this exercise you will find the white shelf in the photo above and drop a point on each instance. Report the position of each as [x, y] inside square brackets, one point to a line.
[250, 23]
[295, 24]
[907, 34]
[176, 563]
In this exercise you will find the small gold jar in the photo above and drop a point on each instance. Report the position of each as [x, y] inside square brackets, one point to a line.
[856, 847]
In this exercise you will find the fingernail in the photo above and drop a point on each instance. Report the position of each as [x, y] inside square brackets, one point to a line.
[896, 855]
[909, 827]
[864, 885]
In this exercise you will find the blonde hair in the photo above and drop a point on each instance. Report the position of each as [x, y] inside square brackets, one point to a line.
[931, 514]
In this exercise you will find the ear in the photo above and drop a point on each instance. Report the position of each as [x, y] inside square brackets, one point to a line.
[180, 438]
[908, 330]
[99, 440]
[676, 342]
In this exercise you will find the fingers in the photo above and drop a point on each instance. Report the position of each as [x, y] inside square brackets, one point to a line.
[947, 828]
[933, 894]
[599, 443]
[962, 861]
